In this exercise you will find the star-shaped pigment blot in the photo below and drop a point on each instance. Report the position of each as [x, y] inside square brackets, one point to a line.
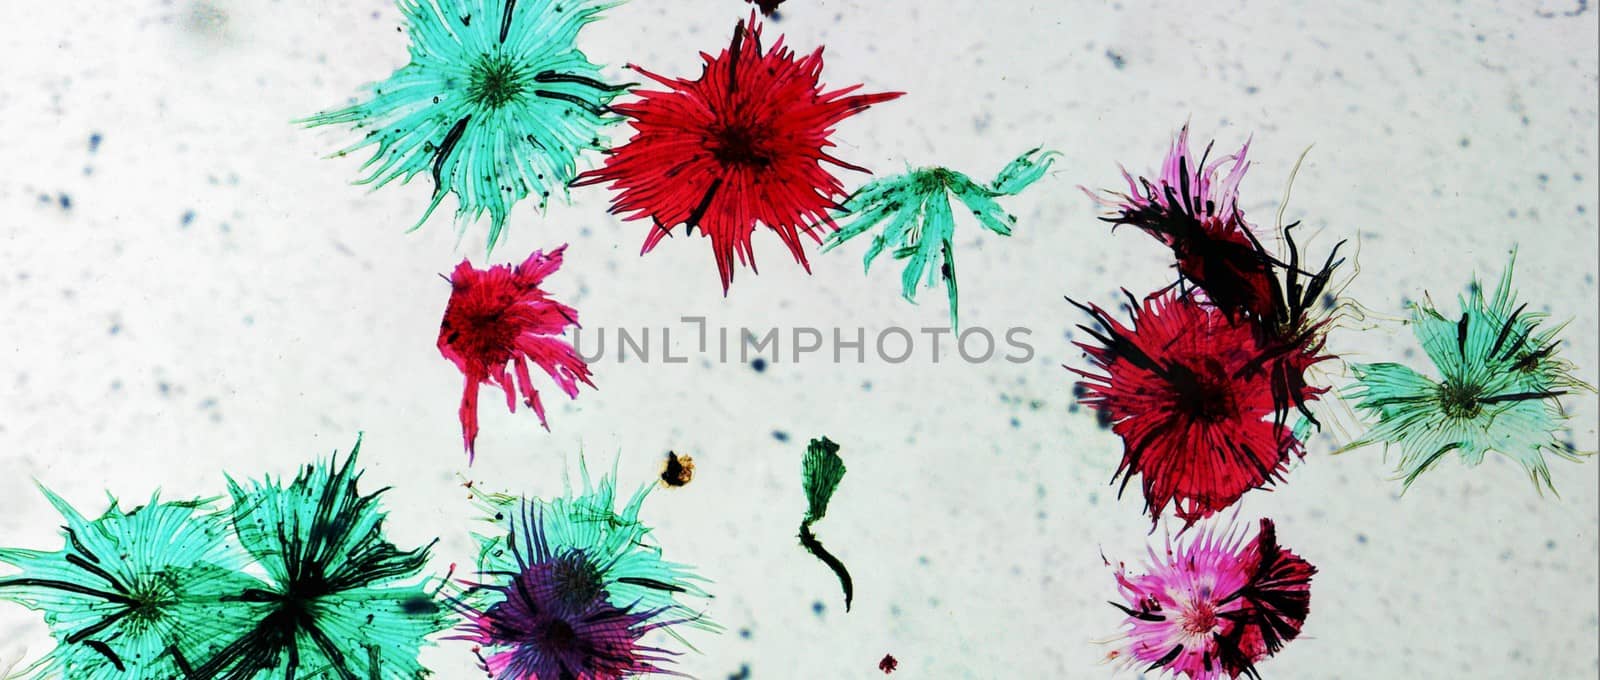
[739, 146]
[497, 321]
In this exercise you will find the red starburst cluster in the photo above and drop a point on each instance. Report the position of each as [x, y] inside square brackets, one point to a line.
[742, 144]
[1202, 386]
[499, 319]
[767, 7]
[1197, 418]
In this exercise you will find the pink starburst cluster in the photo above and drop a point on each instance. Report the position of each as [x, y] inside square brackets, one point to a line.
[1214, 606]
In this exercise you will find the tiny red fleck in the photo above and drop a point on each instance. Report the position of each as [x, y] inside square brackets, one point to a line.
[888, 664]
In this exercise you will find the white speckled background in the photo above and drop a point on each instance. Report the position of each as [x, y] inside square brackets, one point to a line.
[292, 312]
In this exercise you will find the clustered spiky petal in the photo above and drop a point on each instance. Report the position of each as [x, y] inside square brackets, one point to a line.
[497, 321]
[741, 145]
[554, 619]
[164, 590]
[1194, 210]
[921, 226]
[578, 583]
[1183, 388]
[496, 105]
[1499, 388]
[1215, 605]
[1241, 325]
[131, 592]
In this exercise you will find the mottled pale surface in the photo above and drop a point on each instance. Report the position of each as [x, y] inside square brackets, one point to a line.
[291, 312]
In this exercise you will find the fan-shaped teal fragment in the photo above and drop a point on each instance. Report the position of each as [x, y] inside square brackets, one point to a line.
[1500, 388]
[820, 473]
[496, 105]
[920, 224]
[131, 593]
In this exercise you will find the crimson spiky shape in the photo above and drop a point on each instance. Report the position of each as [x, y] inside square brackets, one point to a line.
[1192, 393]
[499, 319]
[742, 144]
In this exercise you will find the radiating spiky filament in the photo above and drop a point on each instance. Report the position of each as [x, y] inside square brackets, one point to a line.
[1499, 388]
[1184, 387]
[550, 615]
[496, 105]
[340, 600]
[617, 546]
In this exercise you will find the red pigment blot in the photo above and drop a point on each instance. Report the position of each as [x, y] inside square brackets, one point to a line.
[888, 664]
[743, 144]
[499, 319]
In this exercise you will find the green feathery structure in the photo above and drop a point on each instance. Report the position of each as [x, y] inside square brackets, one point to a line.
[496, 105]
[921, 226]
[163, 591]
[1500, 388]
[340, 599]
